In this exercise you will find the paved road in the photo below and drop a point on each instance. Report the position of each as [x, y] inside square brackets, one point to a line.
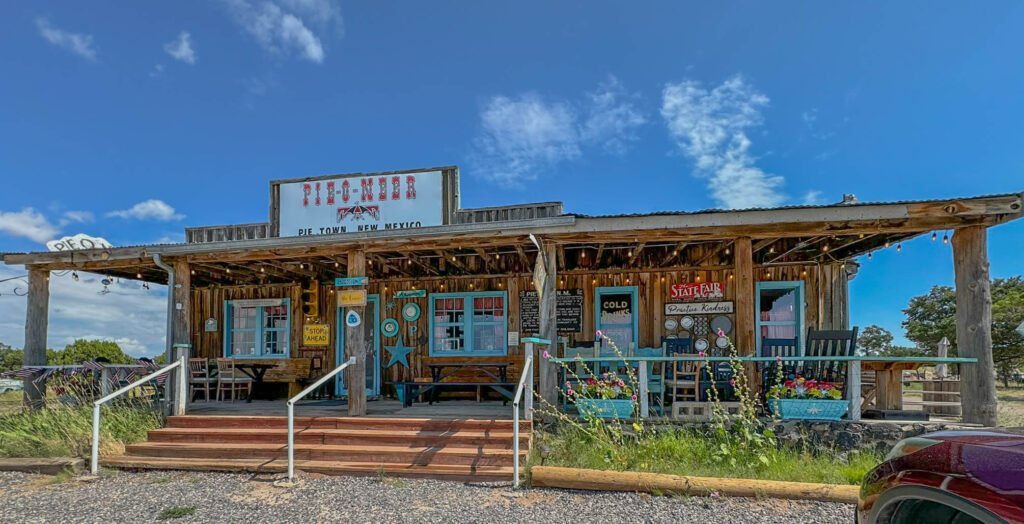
[218, 497]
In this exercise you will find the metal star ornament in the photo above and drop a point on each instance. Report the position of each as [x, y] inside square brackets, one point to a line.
[399, 353]
[389, 305]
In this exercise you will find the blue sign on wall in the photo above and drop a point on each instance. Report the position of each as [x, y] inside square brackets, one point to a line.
[350, 281]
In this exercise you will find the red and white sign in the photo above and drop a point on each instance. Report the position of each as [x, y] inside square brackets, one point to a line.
[696, 290]
[361, 203]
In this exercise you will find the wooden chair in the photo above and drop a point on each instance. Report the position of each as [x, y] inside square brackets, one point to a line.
[655, 375]
[231, 379]
[778, 347]
[683, 379]
[199, 376]
[829, 343]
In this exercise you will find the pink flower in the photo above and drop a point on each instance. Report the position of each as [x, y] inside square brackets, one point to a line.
[599, 334]
[568, 385]
[700, 353]
[634, 398]
[779, 358]
[732, 382]
[569, 392]
[620, 383]
[721, 333]
[715, 495]
[547, 355]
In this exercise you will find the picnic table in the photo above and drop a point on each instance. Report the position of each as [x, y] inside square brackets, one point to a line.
[256, 372]
[498, 371]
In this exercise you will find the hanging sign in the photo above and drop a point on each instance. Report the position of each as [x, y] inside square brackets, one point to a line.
[352, 319]
[258, 302]
[316, 335]
[568, 311]
[351, 281]
[698, 308]
[696, 290]
[351, 297]
[411, 293]
[358, 203]
[79, 241]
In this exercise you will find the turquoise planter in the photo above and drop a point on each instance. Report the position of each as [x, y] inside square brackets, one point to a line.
[810, 409]
[617, 408]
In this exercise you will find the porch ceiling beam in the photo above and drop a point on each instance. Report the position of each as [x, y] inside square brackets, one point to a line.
[636, 253]
[845, 245]
[674, 253]
[449, 258]
[713, 253]
[428, 267]
[301, 273]
[485, 257]
[799, 245]
[522, 256]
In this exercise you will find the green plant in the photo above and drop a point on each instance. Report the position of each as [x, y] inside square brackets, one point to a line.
[176, 512]
[800, 388]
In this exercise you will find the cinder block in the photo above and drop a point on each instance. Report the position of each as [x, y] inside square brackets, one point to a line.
[702, 411]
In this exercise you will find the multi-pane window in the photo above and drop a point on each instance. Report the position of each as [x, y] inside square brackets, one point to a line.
[257, 330]
[780, 311]
[469, 323]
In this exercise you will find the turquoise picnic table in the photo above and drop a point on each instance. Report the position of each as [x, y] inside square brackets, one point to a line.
[888, 371]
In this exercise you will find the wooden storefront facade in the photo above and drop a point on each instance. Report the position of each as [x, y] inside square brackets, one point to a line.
[470, 268]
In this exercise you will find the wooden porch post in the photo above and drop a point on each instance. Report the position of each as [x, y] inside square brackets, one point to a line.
[974, 325]
[354, 345]
[745, 314]
[36, 322]
[549, 327]
[182, 328]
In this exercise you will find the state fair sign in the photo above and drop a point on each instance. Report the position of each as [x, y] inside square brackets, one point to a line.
[359, 203]
[696, 290]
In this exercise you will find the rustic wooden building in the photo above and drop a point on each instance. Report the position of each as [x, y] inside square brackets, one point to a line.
[457, 284]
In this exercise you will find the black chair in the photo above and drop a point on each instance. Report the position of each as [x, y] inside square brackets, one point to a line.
[829, 343]
[778, 347]
[677, 345]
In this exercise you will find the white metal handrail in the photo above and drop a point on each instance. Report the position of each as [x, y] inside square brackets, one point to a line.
[179, 400]
[291, 411]
[525, 386]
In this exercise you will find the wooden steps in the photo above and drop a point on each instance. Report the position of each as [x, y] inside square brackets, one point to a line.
[457, 449]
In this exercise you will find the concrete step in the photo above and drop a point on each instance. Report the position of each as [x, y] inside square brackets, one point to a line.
[330, 453]
[436, 471]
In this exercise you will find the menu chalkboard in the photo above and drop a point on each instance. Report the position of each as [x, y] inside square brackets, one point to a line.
[568, 310]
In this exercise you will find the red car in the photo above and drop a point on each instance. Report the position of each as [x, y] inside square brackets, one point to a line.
[955, 477]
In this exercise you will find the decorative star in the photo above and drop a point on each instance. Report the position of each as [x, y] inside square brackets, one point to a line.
[389, 305]
[399, 353]
[812, 411]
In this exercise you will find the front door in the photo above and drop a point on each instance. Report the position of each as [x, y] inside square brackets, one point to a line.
[371, 343]
[616, 311]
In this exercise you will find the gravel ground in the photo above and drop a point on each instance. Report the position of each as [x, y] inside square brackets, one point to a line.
[220, 497]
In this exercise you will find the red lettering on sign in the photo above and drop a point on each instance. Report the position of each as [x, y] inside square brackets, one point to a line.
[396, 188]
[318, 193]
[367, 189]
[306, 190]
[383, 182]
[330, 193]
[344, 191]
[410, 187]
[695, 290]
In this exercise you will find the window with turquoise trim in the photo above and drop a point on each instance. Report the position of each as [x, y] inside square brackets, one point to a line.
[469, 324]
[780, 308]
[257, 331]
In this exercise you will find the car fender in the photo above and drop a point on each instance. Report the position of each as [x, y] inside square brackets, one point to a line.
[890, 499]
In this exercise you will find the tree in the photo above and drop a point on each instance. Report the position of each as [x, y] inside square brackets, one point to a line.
[10, 358]
[933, 316]
[874, 340]
[82, 350]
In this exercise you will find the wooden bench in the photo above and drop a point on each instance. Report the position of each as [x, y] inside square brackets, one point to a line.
[291, 371]
[411, 390]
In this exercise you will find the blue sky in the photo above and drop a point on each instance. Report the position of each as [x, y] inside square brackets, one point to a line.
[131, 121]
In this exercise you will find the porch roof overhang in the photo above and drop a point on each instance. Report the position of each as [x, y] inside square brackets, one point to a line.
[782, 235]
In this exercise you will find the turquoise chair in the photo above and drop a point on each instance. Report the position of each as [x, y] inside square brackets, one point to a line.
[655, 376]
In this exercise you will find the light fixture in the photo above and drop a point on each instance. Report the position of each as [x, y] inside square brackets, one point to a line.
[630, 252]
[501, 284]
[674, 253]
[771, 250]
[698, 278]
[886, 244]
[442, 286]
[727, 250]
[193, 272]
[803, 273]
[945, 238]
[470, 285]
[825, 248]
[335, 264]
[385, 288]
[228, 270]
[583, 254]
[934, 236]
[730, 276]
[869, 255]
[145, 285]
[262, 269]
[74, 276]
[138, 276]
[899, 247]
[842, 266]
[662, 278]
[300, 265]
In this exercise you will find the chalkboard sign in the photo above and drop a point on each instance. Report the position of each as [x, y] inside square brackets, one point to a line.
[568, 310]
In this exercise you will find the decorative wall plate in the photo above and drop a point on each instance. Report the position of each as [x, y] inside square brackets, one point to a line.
[701, 326]
[700, 344]
[686, 322]
[722, 342]
[671, 324]
[721, 323]
[411, 312]
[389, 327]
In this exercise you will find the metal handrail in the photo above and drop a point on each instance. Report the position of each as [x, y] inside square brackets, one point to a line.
[291, 411]
[179, 401]
[526, 377]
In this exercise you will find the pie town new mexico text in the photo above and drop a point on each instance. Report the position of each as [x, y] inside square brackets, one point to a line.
[439, 301]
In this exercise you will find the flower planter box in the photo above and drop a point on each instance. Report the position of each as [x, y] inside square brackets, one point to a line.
[616, 408]
[810, 409]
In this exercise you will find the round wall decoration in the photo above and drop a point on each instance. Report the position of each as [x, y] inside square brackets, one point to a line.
[671, 324]
[700, 344]
[722, 342]
[411, 312]
[721, 323]
[389, 327]
[686, 322]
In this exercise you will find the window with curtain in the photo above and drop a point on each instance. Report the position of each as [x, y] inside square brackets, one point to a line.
[780, 307]
[469, 324]
[254, 330]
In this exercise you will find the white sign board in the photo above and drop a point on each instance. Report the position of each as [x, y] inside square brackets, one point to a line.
[79, 241]
[698, 308]
[361, 203]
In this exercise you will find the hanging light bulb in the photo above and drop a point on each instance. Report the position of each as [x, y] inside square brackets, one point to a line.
[335, 264]
[803, 273]
[583, 254]
[730, 276]
[860, 235]
[934, 236]
[869, 255]
[145, 285]
[138, 276]
[74, 276]
[771, 250]
[842, 266]
[698, 278]
[229, 270]
[630, 252]
[727, 250]
[886, 244]
[193, 272]
[945, 238]
[899, 248]
[825, 248]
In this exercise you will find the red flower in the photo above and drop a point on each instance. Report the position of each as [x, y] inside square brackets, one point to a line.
[591, 382]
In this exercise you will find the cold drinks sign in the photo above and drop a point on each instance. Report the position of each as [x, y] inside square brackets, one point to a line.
[360, 203]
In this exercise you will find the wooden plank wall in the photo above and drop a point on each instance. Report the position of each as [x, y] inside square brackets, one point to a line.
[825, 294]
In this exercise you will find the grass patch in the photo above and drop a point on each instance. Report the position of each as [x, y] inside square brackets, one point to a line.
[64, 427]
[1011, 407]
[684, 452]
[176, 512]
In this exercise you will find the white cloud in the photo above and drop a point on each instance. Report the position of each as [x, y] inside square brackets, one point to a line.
[157, 71]
[813, 198]
[181, 48]
[77, 43]
[283, 30]
[613, 118]
[523, 136]
[150, 209]
[76, 216]
[133, 317]
[28, 223]
[709, 126]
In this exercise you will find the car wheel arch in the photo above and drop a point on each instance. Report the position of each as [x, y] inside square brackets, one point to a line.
[890, 501]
